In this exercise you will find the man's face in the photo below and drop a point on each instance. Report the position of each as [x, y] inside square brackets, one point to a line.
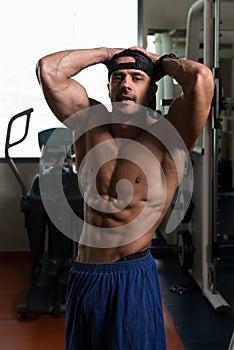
[130, 87]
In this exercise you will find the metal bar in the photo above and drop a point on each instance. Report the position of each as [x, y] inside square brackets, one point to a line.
[207, 35]
[231, 345]
[8, 145]
[215, 118]
[193, 24]
[140, 38]
[228, 103]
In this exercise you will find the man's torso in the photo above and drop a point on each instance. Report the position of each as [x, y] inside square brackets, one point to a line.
[128, 185]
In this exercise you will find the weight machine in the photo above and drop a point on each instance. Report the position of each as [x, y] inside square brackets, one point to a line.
[210, 245]
[52, 253]
[199, 243]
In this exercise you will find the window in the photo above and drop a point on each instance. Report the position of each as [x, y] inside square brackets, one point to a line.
[33, 29]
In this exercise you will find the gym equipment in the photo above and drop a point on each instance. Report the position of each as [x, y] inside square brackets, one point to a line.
[186, 249]
[200, 243]
[231, 344]
[209, 243]
[52, 253]
[183, 247]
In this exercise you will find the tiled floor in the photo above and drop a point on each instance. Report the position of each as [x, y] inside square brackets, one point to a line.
[198, 324]
[43, 332]
[35, 333]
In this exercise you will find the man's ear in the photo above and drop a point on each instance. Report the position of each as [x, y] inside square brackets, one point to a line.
[154, 89]
[108, 87]
[152, 103]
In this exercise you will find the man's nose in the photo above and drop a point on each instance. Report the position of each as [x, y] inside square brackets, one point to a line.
[126, 82]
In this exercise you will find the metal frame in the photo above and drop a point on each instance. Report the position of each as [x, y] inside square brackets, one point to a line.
[210, 10]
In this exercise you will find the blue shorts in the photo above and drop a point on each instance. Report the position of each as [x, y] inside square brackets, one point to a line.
[115, 306]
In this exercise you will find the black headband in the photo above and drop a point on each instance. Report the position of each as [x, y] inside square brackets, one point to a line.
[142, 62]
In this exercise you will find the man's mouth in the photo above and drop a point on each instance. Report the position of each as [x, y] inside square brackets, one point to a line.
[126, 99]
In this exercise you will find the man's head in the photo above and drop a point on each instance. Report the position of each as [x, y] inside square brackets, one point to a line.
[132, 78]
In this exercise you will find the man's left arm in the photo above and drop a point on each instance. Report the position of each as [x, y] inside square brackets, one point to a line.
[189, 112]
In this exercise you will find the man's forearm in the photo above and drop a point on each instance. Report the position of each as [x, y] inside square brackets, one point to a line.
[189, 74]
[66, 64]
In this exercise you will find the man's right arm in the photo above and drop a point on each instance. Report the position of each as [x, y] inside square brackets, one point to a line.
[64, 95]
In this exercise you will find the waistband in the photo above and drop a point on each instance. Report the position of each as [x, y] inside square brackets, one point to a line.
[134, 256]
[124, 265]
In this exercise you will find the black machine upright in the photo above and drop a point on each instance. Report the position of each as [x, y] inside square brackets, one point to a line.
[52, 253]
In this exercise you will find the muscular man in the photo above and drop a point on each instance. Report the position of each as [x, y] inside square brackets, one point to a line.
[113, 297]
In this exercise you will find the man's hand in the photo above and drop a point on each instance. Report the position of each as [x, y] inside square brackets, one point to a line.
[153, 56]
[110, 52]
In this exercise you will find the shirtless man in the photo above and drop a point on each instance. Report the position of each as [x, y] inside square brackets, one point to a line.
[113, 297]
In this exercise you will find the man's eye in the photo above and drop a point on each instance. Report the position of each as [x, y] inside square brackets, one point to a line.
[137, 78]
[117, 77]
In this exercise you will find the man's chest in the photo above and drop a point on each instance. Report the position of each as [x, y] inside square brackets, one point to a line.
[109, 162]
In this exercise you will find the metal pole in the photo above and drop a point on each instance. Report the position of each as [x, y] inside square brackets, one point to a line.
[215, 122]
[140, 29]
[193, 25]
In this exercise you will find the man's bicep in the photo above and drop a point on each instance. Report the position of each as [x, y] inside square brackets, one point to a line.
[66, 100]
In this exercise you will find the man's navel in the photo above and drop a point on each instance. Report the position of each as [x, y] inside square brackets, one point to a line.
[137, 180]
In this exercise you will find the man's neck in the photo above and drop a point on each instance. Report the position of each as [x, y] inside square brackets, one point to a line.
[127, 125]
[125, 131]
